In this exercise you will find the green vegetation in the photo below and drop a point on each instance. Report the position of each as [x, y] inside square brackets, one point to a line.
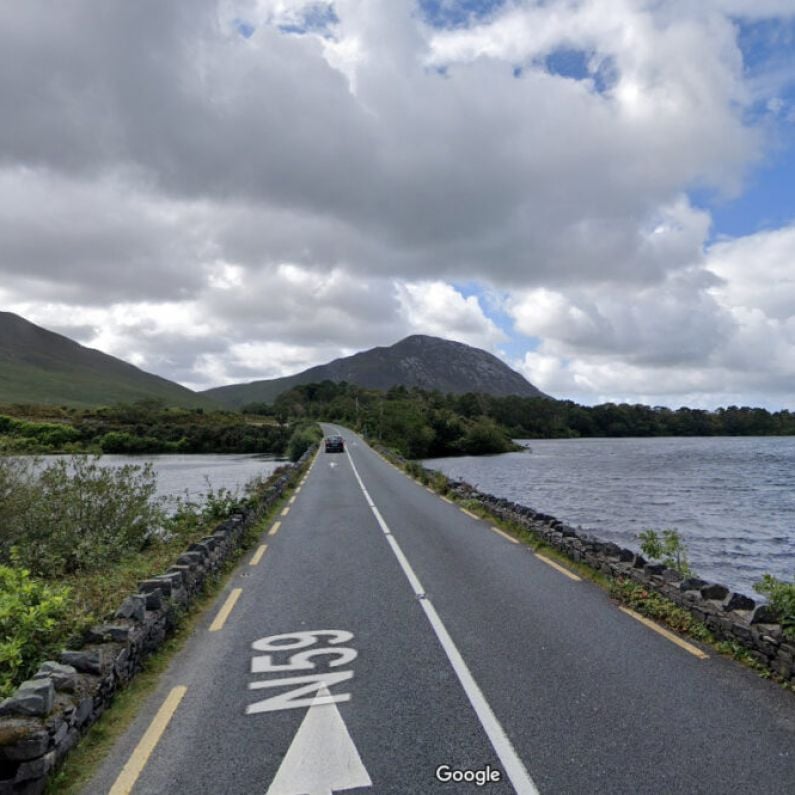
[545, 419]
[76, 538]
[418, 424]
[31, 628]
[74, 516]
[422, 424]
[302, 438]
[781, 596]
[668, 549]
[39, 366]
[651, 604]
[671, 551]
[144, 427]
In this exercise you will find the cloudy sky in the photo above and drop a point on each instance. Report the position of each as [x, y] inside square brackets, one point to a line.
[601, 192]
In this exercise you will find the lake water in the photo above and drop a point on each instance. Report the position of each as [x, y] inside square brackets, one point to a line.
[178, 474]
[732, 499]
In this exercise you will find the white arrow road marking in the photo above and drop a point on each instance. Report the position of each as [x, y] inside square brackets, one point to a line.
[322, 758]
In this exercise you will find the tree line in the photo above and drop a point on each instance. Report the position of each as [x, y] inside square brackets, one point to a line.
[422, 423]
[145, 427]
[416, 422]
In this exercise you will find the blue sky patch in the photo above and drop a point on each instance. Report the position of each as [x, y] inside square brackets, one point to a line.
[452, 14]
[767, 200]
[765, 40]
[575, 65]
[568, 63]
[245, 29]
[317, 18]
[516, 344]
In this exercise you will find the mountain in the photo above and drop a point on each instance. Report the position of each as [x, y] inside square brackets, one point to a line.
[426, 362]
[41, 367]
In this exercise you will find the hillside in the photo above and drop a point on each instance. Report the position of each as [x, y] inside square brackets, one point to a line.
[426, 362]
[42, 367]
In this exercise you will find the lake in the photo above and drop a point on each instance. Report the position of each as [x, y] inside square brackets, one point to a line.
[178, 474]
[732, 499]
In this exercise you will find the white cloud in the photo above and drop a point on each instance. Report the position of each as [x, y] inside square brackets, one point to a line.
[219, 207]
[706, 341]
[438, 309]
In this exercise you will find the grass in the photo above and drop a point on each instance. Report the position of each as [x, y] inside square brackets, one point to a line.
[97, 597]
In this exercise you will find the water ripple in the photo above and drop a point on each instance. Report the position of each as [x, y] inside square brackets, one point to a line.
[732, 499]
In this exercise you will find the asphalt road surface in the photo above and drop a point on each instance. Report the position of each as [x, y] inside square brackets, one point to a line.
[386, 642]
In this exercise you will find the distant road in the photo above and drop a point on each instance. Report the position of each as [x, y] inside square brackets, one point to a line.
[386, 642]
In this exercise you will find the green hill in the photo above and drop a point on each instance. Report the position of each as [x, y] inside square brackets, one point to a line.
[40, 367]
[429, 363]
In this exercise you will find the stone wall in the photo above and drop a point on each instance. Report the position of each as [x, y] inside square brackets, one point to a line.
[46, 716]
[728, 615]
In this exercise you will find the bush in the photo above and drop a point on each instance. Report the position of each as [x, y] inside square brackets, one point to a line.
[302, 438]
[30, 615]
[669, 549]
[484, 436]
[185, 515]
[45, 435]
[781, 596]
[416, 470]
[75, 515]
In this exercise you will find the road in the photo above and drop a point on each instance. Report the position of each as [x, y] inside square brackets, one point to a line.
[386, 642]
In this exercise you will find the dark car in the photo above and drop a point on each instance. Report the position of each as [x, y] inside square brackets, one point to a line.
[335, 444]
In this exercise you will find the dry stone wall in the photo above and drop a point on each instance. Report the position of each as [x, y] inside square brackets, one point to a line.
[730, 616]
[46, 716]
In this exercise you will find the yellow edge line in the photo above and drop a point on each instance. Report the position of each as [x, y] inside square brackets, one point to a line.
[469, 514]
[139, 757]
[504, 535]
[257, 557]
[683, 644]
[447, 500]
[292, 499]
[224, 612]
[298, 489]
[274, 529]
[286, 511]
[430, 491]
[559, 568]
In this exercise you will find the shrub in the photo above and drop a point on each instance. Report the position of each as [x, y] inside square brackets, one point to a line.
[669, 549]
[781, 596]
[31, 613]
[75, 515]
[439, 482]
[302, 438]
[185, 515]
[484, 436]
[416, 470]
